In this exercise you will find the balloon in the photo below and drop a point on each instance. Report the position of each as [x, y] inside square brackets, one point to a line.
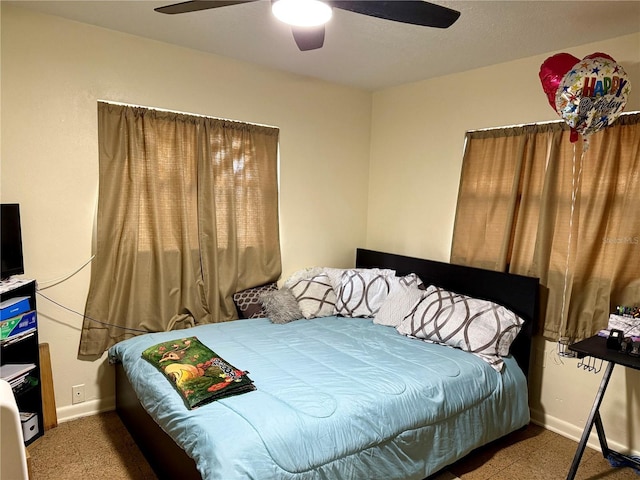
[592, 95]
[599, 54]
[552, 71]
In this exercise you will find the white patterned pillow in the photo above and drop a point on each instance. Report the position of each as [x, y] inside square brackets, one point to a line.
[315, 296]
[362, 292]
[408, 281]
[398, 304]
[477, 326]
[304, 274]
[335, 274]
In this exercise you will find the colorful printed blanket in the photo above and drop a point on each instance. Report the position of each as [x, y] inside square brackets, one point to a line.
[198, 374]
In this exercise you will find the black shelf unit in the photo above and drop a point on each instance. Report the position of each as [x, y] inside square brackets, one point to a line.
[25, 349]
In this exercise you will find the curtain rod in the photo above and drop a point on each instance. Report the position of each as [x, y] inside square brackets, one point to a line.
[535, 123]
[111, 102]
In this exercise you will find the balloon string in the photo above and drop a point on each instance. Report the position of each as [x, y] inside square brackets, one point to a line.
[575, 184]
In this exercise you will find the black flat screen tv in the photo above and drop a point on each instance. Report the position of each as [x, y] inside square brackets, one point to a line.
[11, 233]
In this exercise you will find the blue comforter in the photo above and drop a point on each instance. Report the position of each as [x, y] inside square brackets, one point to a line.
[336, 398]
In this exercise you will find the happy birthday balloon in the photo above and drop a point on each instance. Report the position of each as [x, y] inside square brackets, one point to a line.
[600, 54]
[592, 94]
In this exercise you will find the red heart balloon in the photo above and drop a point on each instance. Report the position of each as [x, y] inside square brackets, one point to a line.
[552, 71]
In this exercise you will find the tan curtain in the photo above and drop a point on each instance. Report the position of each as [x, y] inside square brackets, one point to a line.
[187, 215]
[533, 203]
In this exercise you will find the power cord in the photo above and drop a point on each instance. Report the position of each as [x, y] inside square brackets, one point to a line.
[106, 324]
[59, 280]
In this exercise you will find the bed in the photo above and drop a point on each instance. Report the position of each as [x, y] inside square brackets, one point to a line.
[336, 397]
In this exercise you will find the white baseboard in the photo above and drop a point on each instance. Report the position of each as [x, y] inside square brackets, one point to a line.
[575, 433]
[84, 409]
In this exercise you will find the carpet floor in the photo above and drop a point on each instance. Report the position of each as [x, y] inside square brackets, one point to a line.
[100, 448]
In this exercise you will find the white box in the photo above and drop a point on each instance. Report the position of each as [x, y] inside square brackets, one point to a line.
[29, 425]
[630, 326]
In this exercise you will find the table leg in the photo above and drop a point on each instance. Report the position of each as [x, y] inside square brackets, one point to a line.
[592, 417]
[601, 436]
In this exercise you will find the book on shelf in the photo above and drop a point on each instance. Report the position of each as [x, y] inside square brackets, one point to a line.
[15, 373]
[20, 324]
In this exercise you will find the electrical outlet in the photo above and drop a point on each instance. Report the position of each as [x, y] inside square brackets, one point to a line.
[77, 392]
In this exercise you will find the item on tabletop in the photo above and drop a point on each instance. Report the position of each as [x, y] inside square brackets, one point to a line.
[629, 325]
[614, 340]
[625, 346]
[625, 311]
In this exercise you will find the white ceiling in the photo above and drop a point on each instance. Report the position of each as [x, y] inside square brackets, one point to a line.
[366, 52]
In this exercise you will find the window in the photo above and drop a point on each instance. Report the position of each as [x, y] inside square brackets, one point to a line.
[533, 203]
[187, 215]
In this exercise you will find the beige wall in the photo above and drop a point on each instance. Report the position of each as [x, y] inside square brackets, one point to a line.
[395, 154]
[417, 141]
[53, 73]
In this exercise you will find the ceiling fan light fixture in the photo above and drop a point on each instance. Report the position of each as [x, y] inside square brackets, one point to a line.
[302, 13]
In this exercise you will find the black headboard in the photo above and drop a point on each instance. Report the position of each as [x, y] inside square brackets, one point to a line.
[518, 293]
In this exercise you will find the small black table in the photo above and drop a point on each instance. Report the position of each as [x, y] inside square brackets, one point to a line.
[596, 347]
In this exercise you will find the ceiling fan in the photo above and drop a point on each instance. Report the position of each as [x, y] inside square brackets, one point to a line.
[309, 33]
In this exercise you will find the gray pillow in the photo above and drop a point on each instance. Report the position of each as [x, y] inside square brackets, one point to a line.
[281, 306]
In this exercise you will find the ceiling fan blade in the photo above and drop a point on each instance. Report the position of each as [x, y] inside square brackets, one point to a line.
[195, 5]
[308, 38]
[416, 12]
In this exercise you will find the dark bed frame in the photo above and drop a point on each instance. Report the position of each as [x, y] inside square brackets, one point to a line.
[518, 293]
